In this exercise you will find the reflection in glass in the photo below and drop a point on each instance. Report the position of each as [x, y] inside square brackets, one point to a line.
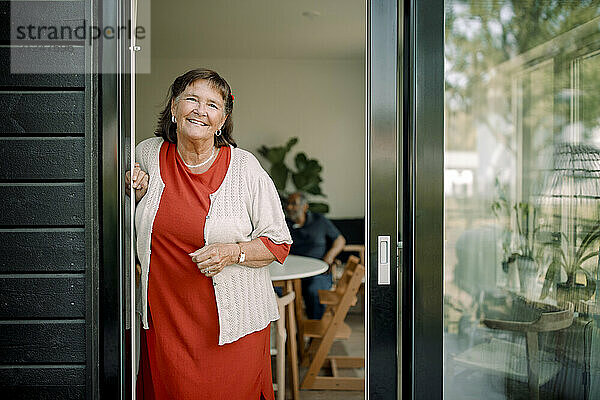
[522, 206]
[126, 252]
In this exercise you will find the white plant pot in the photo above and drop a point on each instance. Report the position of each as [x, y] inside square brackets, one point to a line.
[528, 277]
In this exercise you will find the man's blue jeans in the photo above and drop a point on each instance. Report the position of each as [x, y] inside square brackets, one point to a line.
[310, 293]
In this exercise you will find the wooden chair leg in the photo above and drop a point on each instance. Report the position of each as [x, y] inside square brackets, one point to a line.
[297, 287]
[310, 351]
[318, 360]
[533, 365]
[293, 350]
[335, 382]
[280, 359]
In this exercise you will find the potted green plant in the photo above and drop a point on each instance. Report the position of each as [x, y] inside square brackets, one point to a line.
[571, 191]
[569, 254]
[305, 175]
[519, 244]
[521, 227]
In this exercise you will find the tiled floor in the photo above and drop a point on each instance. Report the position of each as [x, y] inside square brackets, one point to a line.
[354, 346]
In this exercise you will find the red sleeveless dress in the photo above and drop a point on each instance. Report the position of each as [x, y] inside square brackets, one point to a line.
[180, 355]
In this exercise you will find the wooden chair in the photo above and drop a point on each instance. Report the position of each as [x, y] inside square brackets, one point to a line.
[301, 317]
[329, 328]
[502, 357]
[327, 296]
[330, 298]
[359, 249]
[279, 350]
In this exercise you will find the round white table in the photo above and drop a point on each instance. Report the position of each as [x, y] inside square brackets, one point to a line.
[293, 269]
[297, 267]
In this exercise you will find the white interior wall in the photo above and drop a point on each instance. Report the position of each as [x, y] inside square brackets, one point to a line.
[320, 101]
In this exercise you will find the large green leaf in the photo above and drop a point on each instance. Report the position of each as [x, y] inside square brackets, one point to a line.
[590, 239]
[291, 143]
[301, 180]
[275, 155]
[313, 166]
[306, 177]
[307, 182]
[321, 208]
[300, 161]
[315, 190]
[279, 173]
[552, 275]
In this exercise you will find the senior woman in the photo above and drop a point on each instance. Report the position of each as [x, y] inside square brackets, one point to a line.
[208, 221]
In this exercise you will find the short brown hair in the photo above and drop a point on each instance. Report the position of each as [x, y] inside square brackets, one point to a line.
[166, 129]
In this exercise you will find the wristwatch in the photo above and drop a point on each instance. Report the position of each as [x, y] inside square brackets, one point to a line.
[242, 257]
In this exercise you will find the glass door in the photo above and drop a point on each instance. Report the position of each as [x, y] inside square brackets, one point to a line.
[129, 278]
[288, 82]
[501, 200]
[521, 199]
[115, 215]
[118, 335]
[384, 156]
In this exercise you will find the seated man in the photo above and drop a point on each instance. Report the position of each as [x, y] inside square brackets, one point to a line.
[314, 236]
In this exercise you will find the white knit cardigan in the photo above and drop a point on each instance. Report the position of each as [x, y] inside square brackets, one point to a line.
[245, 207]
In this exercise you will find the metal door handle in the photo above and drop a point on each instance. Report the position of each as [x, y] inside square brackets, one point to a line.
[383, 260]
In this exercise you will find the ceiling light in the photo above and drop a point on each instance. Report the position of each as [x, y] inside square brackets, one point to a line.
[311, 14]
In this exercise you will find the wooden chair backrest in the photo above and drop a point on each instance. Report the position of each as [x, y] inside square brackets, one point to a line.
[356, 272]
[349, 269]
[549, 320]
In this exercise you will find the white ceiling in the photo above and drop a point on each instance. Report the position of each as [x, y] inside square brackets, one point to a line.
[257, 29]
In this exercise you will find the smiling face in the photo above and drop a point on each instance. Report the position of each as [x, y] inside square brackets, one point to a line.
[199, 111]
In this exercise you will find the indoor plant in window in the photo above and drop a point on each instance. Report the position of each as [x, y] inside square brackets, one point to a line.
[306, 176]
[571, 253]
[521, 257]
[572, 195]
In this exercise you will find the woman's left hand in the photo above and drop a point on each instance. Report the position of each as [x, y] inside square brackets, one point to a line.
[213, 258]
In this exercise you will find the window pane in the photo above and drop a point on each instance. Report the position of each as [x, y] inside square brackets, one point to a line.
[522, 207]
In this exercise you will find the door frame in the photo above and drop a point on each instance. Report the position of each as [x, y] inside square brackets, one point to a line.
[115, 92]
[424, 196]
[423, 211]
[381, 216]
[422, 202]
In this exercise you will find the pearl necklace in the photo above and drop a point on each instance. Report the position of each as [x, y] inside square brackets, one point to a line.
[212, 154]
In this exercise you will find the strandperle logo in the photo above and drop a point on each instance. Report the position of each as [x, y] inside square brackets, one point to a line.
[80, 32]
[50, 37]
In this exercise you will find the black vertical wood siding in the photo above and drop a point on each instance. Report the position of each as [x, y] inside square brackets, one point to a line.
[43, 290]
